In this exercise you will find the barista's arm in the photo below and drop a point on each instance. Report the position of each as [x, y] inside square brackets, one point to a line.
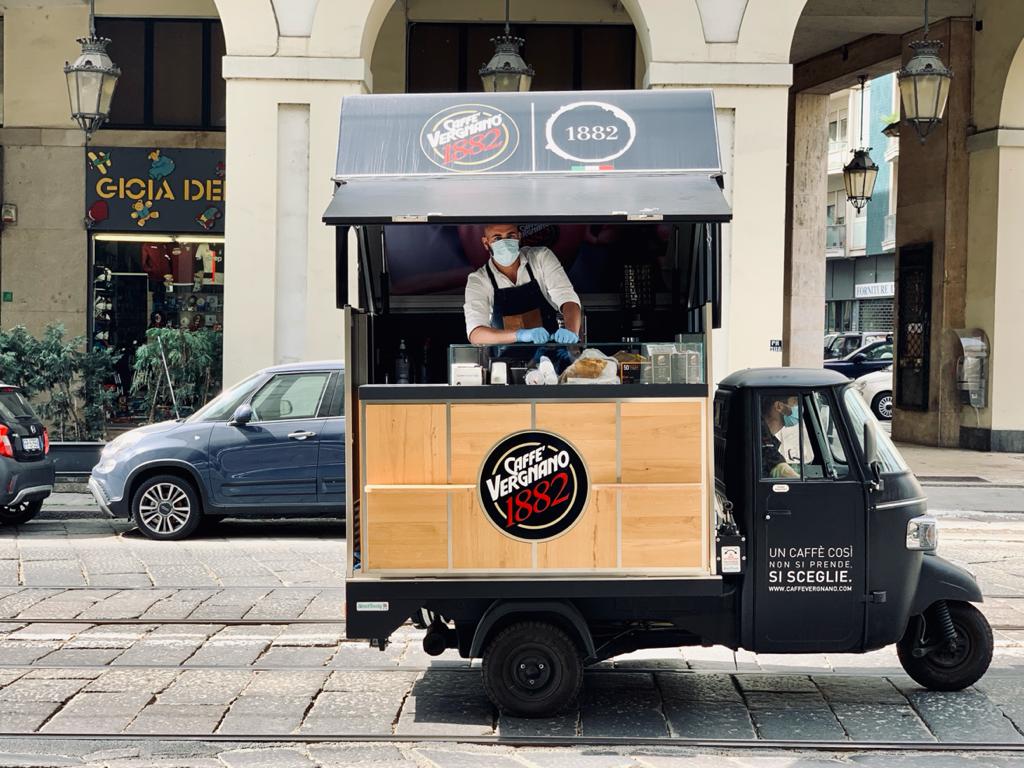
[572, 313]
[484, 334]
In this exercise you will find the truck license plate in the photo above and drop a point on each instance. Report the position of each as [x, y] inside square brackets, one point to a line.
[30, 443]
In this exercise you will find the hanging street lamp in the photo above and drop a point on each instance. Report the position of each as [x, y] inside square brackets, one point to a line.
[91, 80]
[860, 173]
[506, 71]
[924, 84]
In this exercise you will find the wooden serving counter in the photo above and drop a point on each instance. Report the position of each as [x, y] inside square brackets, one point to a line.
[647, 460]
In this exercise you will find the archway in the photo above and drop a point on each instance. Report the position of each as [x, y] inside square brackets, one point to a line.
[437, 45]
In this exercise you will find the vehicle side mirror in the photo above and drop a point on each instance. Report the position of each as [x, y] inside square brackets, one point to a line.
[871, 455]
[860, 357]
[241, 416]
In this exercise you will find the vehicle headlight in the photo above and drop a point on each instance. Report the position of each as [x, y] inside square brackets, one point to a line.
[923, 533]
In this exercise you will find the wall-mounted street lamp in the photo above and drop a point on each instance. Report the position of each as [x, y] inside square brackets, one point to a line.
[860, 173]
[507, 71]
[91, 80]
[924, 84]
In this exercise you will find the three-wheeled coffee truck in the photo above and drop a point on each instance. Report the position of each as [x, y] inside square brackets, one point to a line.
[548, 526]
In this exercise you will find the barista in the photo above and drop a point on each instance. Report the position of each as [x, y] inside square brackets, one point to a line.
[515, 295]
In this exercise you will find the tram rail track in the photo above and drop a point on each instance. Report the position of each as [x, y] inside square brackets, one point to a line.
[793, 745]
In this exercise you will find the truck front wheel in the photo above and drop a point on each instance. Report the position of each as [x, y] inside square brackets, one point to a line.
[532, 669]
[941, 666]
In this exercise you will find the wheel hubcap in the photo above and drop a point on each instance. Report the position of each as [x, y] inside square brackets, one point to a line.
[164, 508]
[954, 657]
[885, 406]
[531, 671]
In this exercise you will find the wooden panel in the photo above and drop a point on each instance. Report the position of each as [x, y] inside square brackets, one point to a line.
[662, 442]
[477, 544]
[588, 426]
[591, 542]
[475, 430]
[661, 527]
[406, 529]
[405, 444]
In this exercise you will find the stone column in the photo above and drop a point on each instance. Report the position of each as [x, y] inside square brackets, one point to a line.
[803, 314]
[752, 128]
[932, 207]
[282, 118]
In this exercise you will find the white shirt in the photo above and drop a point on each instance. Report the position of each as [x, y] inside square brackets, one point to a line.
[554, 284]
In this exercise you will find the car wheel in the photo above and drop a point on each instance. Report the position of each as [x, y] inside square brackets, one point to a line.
[882, 405]
[20, 513]
[166, 508]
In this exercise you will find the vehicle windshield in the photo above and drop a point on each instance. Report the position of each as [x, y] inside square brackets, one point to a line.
[14, 406]
[859, 413]
[223, 406]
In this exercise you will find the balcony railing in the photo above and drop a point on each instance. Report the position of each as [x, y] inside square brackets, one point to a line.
[835, 239]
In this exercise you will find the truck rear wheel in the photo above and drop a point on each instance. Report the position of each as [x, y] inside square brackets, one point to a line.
[945, 668]
[532, 669]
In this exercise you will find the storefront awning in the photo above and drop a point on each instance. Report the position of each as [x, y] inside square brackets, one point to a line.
[608, 197]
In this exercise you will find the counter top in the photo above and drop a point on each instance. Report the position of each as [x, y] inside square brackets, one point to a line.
[441, 392]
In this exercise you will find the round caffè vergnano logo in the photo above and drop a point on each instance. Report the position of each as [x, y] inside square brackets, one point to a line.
[468, 138]
[533, 486]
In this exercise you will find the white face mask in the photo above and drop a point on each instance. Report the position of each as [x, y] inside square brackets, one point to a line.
[505, 252]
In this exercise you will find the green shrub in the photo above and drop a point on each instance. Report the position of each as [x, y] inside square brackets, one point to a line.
[193, 364]
[62, 378]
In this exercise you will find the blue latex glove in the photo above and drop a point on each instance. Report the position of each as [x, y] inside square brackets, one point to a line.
[532, 335]
[565, 336]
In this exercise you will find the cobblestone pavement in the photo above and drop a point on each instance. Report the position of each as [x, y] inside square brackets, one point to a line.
[197, 754]
[102, 552]
[239, 634]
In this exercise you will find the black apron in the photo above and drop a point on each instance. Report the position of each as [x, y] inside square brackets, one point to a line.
[521, 306]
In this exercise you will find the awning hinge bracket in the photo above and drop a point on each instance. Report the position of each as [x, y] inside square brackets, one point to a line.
[409, 218]
[644, 217]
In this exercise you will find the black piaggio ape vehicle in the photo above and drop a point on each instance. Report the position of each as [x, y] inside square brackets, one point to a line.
[619, 500]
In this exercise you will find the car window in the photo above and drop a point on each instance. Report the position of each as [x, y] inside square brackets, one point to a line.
[290, 396]
[860, 414]
[787, 452]
[333, 404]
[850, 344]
[223, 406]
[14, 406]
[881, 352]
[828, 433]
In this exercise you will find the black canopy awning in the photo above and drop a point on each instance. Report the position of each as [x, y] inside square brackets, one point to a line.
[528, 197]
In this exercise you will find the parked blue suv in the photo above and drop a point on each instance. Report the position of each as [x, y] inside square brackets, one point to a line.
[271, 446]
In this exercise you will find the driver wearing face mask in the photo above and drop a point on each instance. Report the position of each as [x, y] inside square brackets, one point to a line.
[515, 295]
[777, 412]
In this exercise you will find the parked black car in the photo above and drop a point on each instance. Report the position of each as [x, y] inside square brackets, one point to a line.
[873, 357]
[839, 345]
[26, 471]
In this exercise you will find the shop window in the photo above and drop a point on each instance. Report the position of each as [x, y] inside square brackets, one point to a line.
[445, 58]
[163, 282]
[170, 73]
